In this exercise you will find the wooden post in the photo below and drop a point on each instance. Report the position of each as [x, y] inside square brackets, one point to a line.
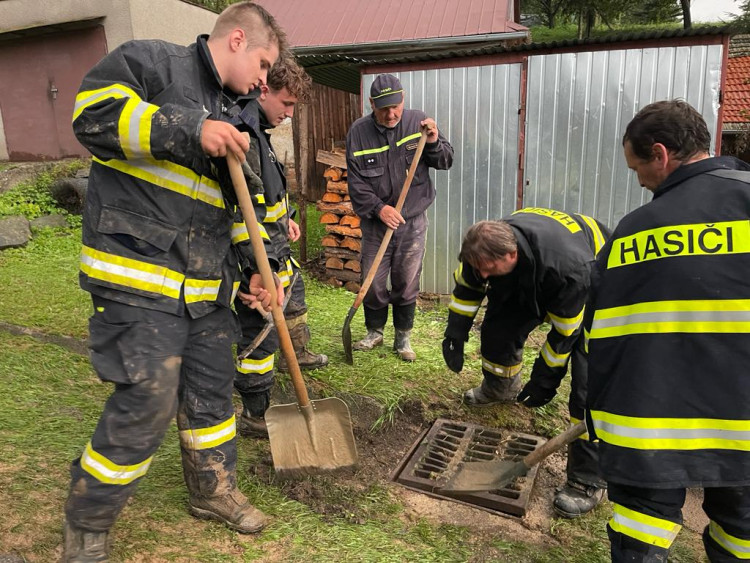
[301, 130]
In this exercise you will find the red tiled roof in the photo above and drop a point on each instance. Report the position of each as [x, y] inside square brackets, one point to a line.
[737, 91]
[346, 22]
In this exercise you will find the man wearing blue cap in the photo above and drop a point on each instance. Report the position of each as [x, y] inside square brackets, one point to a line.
[380, 147]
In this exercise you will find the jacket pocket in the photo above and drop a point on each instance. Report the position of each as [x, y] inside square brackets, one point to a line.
[374, 172]
[140, 234]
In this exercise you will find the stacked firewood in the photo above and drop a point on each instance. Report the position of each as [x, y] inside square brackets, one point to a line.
[343, 239]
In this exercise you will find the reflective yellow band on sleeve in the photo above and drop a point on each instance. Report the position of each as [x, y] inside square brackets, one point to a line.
[643, 527]
[408, 138]
[467, 308]
[261, 366]
[585, 435]
[672, 433]
[275, 212]
[563, 218]
[500, 370]
[135, 128]
[370, 151]
[201, 290]
[240, 234]
[736, 546]
[687, 316]
[107, 471]
[90, 97]
[170, 176]
[127, 272]
[552, 358]
[566, 325]
[285, 274]
[235, 289]
[596, 232]
[458, 276]
[211, 437]
[700, 239]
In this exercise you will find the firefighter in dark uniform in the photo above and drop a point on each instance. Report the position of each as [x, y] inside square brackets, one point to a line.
[669, 343]
[159, 264]
[380, 148]
[287, 84]
[533, 267]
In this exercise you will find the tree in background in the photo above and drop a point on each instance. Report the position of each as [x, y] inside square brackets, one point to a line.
[546, 10]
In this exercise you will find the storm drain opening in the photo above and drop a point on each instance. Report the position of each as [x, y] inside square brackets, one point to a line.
[442, 448]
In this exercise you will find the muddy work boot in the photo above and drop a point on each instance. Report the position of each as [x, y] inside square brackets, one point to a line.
[232, 509]
[84, 546]
[402, 346]
[505, 390]
[374, 338]
[576, 499]
[305, 360]
[252, 426]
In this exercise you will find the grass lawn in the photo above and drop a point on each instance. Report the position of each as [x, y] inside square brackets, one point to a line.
[50, 400]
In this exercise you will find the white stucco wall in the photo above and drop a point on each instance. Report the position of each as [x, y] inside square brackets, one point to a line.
[170, 20]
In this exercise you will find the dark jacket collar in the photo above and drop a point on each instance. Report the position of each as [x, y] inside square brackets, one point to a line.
[205, 55]
[687, 171]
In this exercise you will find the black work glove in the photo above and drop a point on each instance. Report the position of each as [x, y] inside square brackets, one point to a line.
[453, 353]
[534, 395]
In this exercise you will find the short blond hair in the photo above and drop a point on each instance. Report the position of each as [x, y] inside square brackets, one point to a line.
[259, 25]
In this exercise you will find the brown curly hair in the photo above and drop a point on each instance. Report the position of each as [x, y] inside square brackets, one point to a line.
[286, 73]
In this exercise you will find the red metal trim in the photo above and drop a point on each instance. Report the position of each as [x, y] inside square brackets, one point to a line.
[722, 92]
[522, 132]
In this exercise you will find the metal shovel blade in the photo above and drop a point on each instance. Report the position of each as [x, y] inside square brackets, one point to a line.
[313, 439]
[346, 336]
[479, 476]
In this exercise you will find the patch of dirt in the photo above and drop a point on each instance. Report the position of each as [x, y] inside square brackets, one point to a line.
[18, 172]
[381, 452]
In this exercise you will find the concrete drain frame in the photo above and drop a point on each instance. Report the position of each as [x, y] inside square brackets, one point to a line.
[442, 448]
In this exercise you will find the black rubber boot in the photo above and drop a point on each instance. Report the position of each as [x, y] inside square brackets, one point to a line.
[84, 546]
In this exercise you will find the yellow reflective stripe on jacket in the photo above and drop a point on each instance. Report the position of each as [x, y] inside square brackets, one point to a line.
[736, 546]
[672, 433]
[109, 472]
[91, 97]
[204, 438]
[201, 290]
[689, 316]
[643, 527]
[458, 276]
[170, 176]
[701, 239]
[566, 325]
[134, 124]
[464, 307]
[552, 358]
[286, 274]
[275, 212]
[239, 232]
[599, 239]
[585, 435]
[130, 273]
[563, 218]
[370, 151]
[261, 366]
[235, 289]
[134, 128]
[408, 138]
[586, 338]
[499, 369]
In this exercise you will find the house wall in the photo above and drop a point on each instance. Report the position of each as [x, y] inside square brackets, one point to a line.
[545, 129]
[47, 28]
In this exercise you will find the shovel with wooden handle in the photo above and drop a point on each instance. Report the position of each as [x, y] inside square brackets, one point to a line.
[307, 437]
[479, 476]
[346, 331]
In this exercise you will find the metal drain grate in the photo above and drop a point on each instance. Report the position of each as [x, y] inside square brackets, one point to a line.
[439, 451]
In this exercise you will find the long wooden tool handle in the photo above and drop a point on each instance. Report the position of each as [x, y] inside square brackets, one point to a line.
[554, 444]
[389, 232]
[261, 259]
